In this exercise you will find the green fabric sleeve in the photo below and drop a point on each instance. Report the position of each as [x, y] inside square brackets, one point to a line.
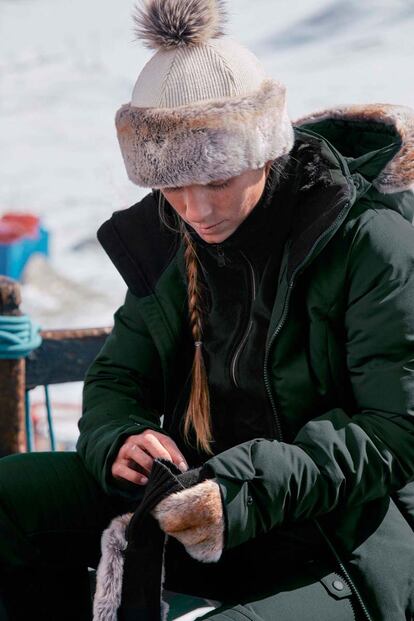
[122, 396]
[337, 459]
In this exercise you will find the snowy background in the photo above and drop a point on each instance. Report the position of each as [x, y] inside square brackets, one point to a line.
[65, 68]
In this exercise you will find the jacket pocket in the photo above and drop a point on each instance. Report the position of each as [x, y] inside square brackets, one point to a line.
[314, 592]
[338, 588]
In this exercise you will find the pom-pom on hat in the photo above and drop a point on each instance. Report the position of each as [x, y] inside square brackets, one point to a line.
[169, 23]
[202, 107]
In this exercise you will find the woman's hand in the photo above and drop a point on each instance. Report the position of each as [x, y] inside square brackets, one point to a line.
[195, 517]
[135, 457]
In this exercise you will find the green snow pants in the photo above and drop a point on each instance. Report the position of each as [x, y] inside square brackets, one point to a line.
[52, 514]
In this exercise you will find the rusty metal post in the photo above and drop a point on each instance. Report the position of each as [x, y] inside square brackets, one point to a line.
[12, 380]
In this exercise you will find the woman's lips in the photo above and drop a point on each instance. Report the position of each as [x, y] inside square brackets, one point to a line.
[207, 228]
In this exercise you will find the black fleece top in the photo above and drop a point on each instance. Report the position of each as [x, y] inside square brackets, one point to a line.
[240, 276]
[235, 329]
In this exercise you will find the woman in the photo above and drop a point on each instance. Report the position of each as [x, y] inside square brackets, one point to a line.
[264, 350]
[287, 385]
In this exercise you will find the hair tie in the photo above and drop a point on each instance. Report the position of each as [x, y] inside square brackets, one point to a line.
[198, 343]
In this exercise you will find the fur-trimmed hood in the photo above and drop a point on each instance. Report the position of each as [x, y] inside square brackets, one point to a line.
[377, 140]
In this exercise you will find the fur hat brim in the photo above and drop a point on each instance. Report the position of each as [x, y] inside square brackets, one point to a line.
[204, 141]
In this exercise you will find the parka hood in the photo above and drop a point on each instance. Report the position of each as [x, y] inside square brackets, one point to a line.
[377, 140]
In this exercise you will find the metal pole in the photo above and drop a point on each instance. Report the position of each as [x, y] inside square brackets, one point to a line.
[12, 380]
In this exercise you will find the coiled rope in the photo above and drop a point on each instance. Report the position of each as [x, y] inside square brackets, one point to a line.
[18, 336]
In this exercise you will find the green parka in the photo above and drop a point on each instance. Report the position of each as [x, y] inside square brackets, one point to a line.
[339, 363]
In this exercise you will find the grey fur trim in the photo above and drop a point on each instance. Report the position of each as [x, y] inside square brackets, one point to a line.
[174, 23]
[165, 607]
[204, 141]
[398, 174]
[109, 575]
[110, 570]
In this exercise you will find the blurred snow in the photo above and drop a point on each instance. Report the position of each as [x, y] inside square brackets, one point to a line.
[66, 67]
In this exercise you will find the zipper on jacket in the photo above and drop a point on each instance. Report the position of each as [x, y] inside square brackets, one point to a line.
[346, 576]
[277, 425]
[221, 258]
[276, 422]
[278, 428]
[179, 401]
[345, 172]
[249, 327]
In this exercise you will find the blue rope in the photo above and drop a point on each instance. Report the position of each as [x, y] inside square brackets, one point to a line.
[28, 422]
[50, 420]
[18, 337]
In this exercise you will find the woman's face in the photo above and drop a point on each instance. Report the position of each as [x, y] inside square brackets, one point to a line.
[216, 209]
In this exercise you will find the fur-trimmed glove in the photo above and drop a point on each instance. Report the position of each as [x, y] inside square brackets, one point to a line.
[195, 517]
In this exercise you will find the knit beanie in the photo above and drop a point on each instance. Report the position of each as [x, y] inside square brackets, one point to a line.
[202, 108]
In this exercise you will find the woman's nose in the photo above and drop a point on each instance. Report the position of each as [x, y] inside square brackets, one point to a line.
[197, 207]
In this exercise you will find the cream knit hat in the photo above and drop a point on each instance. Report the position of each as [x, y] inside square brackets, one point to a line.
[202, 107]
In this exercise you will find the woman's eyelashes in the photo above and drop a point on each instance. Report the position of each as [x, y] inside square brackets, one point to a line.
[219, 186]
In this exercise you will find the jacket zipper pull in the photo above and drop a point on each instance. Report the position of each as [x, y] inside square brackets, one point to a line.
[220, 257]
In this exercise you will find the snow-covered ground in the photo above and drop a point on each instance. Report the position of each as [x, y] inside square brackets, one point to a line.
[65, 68]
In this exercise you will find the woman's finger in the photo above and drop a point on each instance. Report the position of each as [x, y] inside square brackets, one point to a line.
[136, 454]
[177, 457]
[166, 448]
[154, 447]
[120, 470]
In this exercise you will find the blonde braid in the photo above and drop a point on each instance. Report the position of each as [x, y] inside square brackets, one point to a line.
[198, 410]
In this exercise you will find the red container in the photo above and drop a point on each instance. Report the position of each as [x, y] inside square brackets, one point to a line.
[16, 225]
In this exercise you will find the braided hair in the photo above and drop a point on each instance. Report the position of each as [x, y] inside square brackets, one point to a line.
[198, 408]
[198, 411]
